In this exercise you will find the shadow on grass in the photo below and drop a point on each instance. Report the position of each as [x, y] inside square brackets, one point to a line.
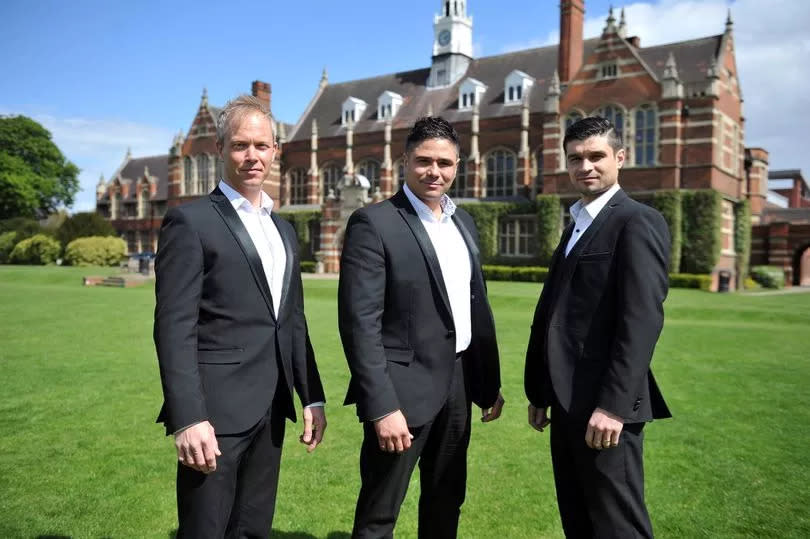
[275, 534]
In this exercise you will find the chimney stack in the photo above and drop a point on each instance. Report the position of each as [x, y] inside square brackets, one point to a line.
[262, 91]
[571, 49]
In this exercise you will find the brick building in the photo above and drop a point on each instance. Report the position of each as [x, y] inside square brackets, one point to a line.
[678, 107]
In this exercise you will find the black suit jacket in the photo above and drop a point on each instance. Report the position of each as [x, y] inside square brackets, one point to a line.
[221, 346]
[599, 317]
[395, 319]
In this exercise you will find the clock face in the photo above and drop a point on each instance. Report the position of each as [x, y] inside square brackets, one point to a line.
[444, 37]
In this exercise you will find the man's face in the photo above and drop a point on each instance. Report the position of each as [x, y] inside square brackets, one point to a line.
[431, 169]
[248, 151]
[592, 165]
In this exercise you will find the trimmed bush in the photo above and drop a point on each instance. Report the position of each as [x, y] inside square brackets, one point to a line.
[300, 220]
[690, 280]
[83, 225]
[549, 221]
[36, 250]
[768, 276]
[96, 251]
[307, 266]
[534, 274]
[486, 216]
[7, 242]
[702, 220]
[669, 204]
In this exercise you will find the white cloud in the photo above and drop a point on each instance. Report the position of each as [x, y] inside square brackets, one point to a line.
[772, 43]
[98, 146]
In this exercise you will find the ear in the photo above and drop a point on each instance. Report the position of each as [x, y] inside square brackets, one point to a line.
[620, 156]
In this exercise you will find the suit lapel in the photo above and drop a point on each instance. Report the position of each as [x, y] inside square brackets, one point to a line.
[225, 209]
[472, 248]
[408, 213]
[288, 265]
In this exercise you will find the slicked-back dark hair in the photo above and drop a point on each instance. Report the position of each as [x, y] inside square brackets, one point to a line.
[431, 127]
[593, 126]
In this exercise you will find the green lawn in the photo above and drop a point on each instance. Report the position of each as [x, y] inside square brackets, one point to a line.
[82, 457]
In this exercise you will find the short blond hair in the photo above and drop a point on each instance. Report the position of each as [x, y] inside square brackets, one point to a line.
[235, 110]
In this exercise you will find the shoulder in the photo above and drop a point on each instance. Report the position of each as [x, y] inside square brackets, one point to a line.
[642, 213]
[190, 210]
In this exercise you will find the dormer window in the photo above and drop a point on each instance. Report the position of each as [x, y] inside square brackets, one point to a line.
[352, 110]
[470, 93]
[609, 70]
[516, 86]
[388, 105]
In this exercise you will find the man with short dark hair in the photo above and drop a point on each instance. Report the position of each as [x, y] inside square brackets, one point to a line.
[231, 338]
[419, 339]
[594, 331]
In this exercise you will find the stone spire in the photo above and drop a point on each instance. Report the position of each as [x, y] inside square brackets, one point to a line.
[146, 172]
[324, 78]
[313, 155]
[610, 24]
[729, 22]
[551, 103]
[622, 31]
[712, 78]
[204, 98]
[128, 156]
[474, 134]
[349, 167]
[524, 125]
[671, 87]
[386, 164]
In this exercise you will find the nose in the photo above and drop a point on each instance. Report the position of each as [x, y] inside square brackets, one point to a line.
[433, 170]
[250, 152]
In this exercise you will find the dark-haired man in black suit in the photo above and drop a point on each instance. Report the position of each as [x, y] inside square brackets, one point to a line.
[592, 340]
[231, 338]
[419, 339]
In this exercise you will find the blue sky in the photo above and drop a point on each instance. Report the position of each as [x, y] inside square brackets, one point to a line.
[107, 75]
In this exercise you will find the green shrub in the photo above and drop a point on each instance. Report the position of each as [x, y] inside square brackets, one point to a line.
[669, 203]
[308, 266]
[96, 251]
[36, 250]
[768, 276]
[549, 221]
[24, 227]
[7, 242]
[300, 220]
[742, 237]
[534, 274]
[486, 216]
[83, 225]
[750, 284]
[690, 280]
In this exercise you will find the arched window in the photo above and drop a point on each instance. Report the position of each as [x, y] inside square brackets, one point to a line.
[330, 174]
[500, 173]
[644, 139]
[459, 187]
[188, 180]
[298, 186]
[202, 173]
[371, 170]
[614, 115]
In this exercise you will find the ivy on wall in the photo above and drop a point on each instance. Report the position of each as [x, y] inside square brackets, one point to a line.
[701, 223]
[300, 221]
[486, 216]
[742, 238]
[669, 204]
[549, 223]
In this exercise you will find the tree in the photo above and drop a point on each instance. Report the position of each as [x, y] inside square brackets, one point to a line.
[35, 178]
[83, 225]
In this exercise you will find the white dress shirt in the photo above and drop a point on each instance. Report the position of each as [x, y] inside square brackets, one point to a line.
[584, 214]
[454, 260]
[265, 236]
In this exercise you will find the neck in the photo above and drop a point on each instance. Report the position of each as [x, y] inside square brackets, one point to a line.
[435, 206]
[254, 196]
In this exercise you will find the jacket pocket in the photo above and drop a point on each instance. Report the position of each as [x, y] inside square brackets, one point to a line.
[220, 356]
[595, 257]
[403, 356]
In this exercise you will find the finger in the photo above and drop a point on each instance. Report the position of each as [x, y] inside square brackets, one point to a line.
[307, 436]
[495, 413]
[390, 445]
[209, 455]
[589, 437]
[406, 441]
[197, 456]
[614, 439]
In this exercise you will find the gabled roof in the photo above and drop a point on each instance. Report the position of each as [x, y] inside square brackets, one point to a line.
[692, 57]
[133, 169]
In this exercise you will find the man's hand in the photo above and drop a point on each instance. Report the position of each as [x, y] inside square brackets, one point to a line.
[603, 430]
[392, 433]
[491, 414]
[538, 418]
[314, 426]
[197, 447]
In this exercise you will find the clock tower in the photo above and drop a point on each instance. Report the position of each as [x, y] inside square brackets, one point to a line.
[452, 44]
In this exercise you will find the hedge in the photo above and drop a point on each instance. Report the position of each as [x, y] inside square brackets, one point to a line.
[669, 204]
[7, 242]
[548, 226]
[486, 216]
[768, 276]
[96, 251]
[307, 266]
[300, 221]
[534, 274]
[36, 250]
[702, 218]
[742, 238]
[690, 280]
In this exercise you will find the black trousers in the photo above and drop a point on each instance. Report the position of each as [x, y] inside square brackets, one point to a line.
[599, 493]
[440, 447]
[238, 499]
